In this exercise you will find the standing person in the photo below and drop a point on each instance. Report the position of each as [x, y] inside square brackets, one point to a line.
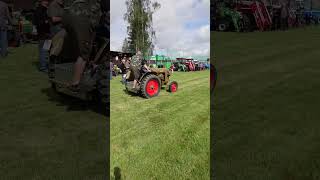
[123, 70]
[284, 14]
[111, 69]
[5, 20]
[172, 68]
[55, 12]
[43, 29]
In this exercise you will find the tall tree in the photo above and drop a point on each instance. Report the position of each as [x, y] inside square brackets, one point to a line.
[140, 30]
[125, 46]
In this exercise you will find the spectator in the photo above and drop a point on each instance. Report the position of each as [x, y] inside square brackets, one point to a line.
[111, 70]
[5, 20]
[172, 68]
[43, 29]
[284, 14]
[55, 12]
[123, 70]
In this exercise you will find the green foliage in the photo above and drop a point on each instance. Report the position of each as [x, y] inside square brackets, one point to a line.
[125, 46]
[140, 31]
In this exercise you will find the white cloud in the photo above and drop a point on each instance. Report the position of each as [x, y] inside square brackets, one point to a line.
[180, 25]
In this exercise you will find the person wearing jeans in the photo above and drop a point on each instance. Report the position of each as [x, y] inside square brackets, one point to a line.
[5, 19]
[43, 29]
[43, 57]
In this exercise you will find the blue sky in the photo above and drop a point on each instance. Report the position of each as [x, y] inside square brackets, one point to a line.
[182, 26]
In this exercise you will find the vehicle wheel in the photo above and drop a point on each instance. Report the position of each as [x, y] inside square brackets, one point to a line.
[150, 86]
[173, 87]
[103, 83]
[103, 90]
[222, 27]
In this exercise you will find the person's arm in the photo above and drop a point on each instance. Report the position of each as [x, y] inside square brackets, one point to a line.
[147, 68]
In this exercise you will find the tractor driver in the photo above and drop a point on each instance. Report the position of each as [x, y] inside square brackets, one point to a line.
[135, 68]
[80, 21]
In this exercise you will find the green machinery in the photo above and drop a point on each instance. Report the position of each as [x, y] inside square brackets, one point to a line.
[228, 19]
[160, 61]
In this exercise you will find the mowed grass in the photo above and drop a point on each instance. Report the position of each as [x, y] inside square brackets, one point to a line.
[166, 137]
[44, 135]
[266, 121]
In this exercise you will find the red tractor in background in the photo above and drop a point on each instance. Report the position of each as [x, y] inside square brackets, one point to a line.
[190, 65]
[255, 15]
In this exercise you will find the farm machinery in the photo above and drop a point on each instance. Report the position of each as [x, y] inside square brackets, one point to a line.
[94, 83]
[150, 83]
[240, 15]
[227, 18]
[255, 15]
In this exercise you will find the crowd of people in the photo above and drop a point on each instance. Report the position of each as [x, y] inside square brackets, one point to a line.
[120, 65]
[5, 21]
[125, 65]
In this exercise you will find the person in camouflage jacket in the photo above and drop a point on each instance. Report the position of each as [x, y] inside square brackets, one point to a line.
[135, 67]
[80, 20]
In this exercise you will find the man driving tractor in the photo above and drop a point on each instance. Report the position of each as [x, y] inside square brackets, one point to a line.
[135, 68]
[80, 21]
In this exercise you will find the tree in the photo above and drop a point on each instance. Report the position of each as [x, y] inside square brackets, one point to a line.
[140, 30]
[125, 46]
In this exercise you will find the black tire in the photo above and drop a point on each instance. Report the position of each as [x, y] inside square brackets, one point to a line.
[103, 90]
[222, 27]
[144, 86]
[173, 87]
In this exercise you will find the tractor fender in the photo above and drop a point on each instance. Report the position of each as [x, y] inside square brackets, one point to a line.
[146, 74]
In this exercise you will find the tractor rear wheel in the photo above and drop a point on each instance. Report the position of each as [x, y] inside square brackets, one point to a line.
[150, 86]
[173, 87]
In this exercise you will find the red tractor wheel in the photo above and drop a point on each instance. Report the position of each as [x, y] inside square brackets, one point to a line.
[150, 86]
[173, 87]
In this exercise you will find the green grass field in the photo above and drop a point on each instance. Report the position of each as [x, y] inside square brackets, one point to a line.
[43, 135]
[166, 137]
[266, 121]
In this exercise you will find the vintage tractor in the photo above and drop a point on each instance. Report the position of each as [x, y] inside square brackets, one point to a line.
[150, 84]
[95, 78]
[190, 66]
[255, 15]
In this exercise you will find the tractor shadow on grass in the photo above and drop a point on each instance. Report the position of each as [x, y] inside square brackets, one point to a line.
[74, 104]
[132, 94]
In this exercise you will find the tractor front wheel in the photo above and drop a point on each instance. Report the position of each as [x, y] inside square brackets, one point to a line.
[150, 86]
[173, 87]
